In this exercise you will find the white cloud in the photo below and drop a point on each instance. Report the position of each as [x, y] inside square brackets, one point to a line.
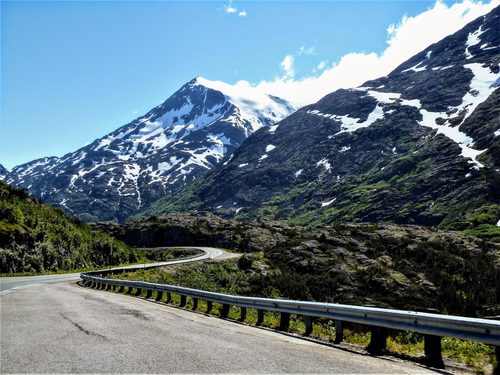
[404, 40]
[307, 51]
[287, 66]
[229, 8]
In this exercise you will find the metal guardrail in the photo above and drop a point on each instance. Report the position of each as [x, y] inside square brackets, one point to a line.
[432, 326]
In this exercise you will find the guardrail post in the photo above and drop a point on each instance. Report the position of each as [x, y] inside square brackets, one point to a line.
[339, 332]
[209, 307]
[169, 297]
[195, 303]
[243, 313]
[129, 290]
[378, 341]
[284, 321]
[309, 325]
[121, 289]
[138, 292]
[432, 350]
[224, 312]
[183, 301]
[260, 317]
[159, 296]
[149, 292]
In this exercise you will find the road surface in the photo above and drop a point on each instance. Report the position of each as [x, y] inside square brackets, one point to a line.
[11, 283]
[65, 328]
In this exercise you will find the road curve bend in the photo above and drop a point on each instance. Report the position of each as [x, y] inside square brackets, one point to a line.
[8, 284]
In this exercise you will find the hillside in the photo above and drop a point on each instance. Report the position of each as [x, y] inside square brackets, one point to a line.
[419, 146]
[400, 266]
[35, 237]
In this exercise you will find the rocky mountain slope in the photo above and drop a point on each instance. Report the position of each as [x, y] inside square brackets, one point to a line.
[421, 145]
[155, 154]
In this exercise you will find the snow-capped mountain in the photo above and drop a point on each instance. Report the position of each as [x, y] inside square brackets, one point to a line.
[421, 145]
[153, 155]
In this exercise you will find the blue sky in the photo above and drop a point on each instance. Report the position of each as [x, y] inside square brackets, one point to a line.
[74, 71]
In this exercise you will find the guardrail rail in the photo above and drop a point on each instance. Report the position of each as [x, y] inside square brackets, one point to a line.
[433, 326]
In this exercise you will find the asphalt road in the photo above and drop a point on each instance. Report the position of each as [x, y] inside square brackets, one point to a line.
[11, 283]
[65, 328]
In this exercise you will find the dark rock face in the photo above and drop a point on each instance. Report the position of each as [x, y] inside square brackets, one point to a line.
[153, 155]
[421, 145]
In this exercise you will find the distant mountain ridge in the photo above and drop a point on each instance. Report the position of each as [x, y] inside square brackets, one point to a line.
[3, 172]
[421, 145]
[155, 154]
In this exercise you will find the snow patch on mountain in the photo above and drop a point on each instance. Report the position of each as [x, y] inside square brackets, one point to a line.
[325, 164]
[472, 40]
[269, 148]
[272, 129]
[416, 68]
[327, 203]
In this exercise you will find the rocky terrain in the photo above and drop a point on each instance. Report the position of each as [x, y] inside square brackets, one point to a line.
[171, 145]
[403, 266]
[420, 146]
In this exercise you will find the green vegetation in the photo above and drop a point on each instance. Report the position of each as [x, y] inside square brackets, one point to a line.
[37, 238]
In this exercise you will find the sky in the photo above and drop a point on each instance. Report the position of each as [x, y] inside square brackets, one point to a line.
[74, 71]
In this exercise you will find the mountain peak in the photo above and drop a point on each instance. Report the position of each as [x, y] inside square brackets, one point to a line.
[250, 100]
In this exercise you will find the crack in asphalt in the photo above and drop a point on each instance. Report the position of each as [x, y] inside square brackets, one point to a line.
[88, 332]
[135, 313]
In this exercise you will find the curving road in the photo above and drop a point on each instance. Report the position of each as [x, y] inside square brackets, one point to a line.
[12, 283]
[57, 327]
